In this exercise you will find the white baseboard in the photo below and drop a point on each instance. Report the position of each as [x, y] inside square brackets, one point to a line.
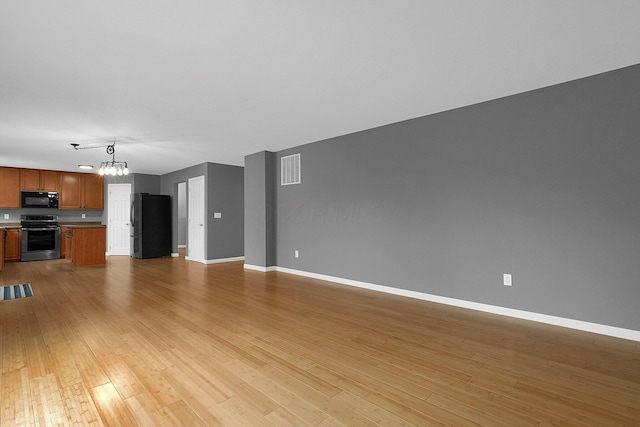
[215, 261]
[221, 260]
[259, 268]
[174, 255]
[182, 246]
[613, 331]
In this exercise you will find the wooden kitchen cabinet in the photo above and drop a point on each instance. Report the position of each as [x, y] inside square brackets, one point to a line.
[87, 246]
[9, 188]
[69, 190]
[93, 191]
[13, 247]
[2, 249]
[68, 242]
[65, 245]
[77, 190]
[81, 191]
[39, 180]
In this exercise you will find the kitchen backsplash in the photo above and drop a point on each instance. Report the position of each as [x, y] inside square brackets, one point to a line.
[64, 215]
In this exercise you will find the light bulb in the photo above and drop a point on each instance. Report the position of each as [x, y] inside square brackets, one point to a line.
[101, 170]
[125, 171]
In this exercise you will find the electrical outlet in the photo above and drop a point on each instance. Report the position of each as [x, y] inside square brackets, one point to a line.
[296, 254]
[84, 216]
[506, 279]
[6, 216]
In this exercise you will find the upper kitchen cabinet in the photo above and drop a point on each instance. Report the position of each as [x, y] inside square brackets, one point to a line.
[81, 191]
[93, 193]
[9, 188]
[69, 190]
[39, 180]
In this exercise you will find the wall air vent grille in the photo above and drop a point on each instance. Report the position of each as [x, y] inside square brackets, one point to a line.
[290, 170]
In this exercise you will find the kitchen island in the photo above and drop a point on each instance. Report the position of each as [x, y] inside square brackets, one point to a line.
[84, 244]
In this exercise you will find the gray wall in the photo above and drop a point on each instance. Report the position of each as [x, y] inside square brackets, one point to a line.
[224, 194]
[64, 215]
[542, 185]
[144, 183]
[259, 216]
[140, 183]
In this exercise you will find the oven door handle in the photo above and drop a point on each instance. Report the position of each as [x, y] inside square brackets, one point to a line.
[40, 229]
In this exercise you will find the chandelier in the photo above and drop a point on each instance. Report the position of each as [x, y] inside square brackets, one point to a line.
[109, 167]
[113, 168]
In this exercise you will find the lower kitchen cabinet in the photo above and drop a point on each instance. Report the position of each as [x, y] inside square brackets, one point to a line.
[65, 243]
[13, 247]
[2, 248]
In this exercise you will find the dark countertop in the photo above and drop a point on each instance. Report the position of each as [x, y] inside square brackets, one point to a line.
[10, 225]
[87, 224]
[82, 225]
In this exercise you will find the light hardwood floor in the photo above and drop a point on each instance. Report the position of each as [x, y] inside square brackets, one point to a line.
[172, 342]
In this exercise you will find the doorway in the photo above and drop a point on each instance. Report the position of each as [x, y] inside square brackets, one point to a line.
[119, 202]
[182, 215]
[182, 219]
[196, 220]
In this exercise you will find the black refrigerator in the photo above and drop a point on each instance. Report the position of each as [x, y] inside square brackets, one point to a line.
[150, 225]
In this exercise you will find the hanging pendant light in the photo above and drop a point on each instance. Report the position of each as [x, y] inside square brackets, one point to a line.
[113, 168]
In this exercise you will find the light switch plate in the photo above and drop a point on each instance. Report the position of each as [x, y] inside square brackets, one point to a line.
[506, 278]
[217, 214]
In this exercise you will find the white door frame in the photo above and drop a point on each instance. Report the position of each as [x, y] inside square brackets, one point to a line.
[181, 190]
[111, 216]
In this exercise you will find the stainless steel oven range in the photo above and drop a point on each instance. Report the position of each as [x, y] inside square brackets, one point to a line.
[40, 237]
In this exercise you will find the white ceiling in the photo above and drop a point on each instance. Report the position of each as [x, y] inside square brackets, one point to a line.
[181, 83]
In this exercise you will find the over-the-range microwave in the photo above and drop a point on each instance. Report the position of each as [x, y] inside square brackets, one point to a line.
[40, 199]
